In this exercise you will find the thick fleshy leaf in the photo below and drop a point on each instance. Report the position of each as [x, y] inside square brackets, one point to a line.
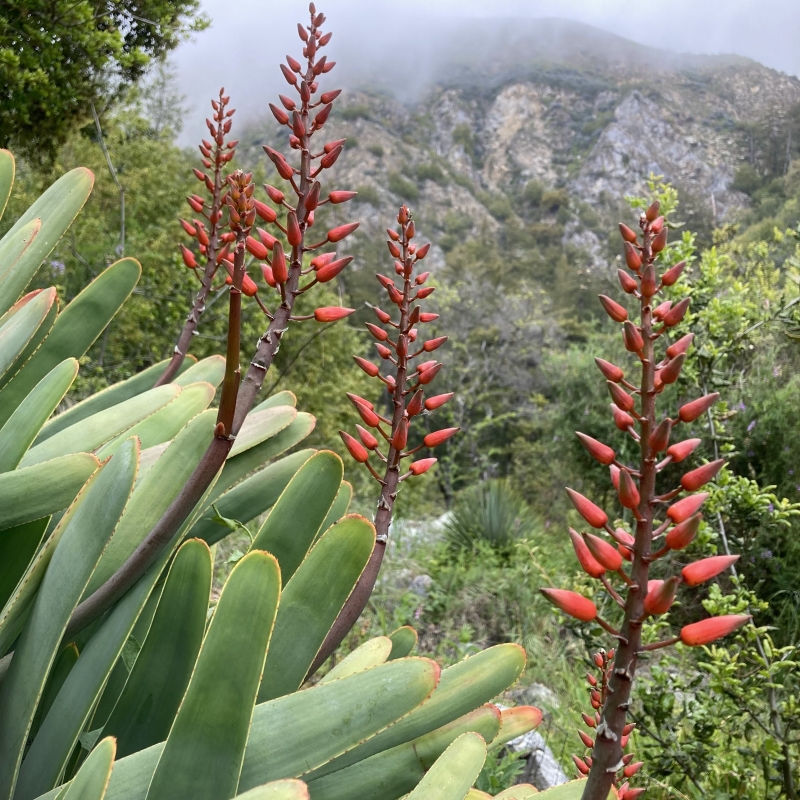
[311, 602]
[106, 398]
[94, 432]
[571, 790]
[516, 722]
[404, 640]
[13, 273]
[522, 791]
[63, 665]
[463, 687]
[86, 527]
[207, 370]
[20, 328]
[92, 779]
[370, 654]
[277, 790]
[18, 546]
[261, 426]
[17, 435]
[203, 755]
[280, 399]
[168, 421]
[392, 773]
[339, 507]
[75, 329]
[56, 209]
[156, 684]
[7, 170]
[50, 750]
[292, 525]
[250, 498]
[35, 492]
[454, 772]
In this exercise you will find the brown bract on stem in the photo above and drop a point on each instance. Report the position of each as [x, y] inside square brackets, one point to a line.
[281, 269]
[216, 153]
[399, 346]
[654, 514]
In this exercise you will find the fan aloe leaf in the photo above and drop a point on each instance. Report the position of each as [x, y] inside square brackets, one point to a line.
[86, 530]
[49, 753]
[7, 170]
[454, 772]
[251, 497]
[63, 665]
[516, 722]
[280, 399]
[14, 276]
[106, 398]
[92, 779]
[17, 435]
[404, 640]
[207, 370]
[261, 426]
[392, 773]
[203, 755]
[311, 602]
[522, 791]
[370, 654]
[477, 794]
[94, 432]
[23, 498]
[463, 687]
[277, 790]
[165, 423]
[154, 689]
[18, 545]
[75, 330]
[571, 790]
[56, 208]
[339, 507]
[293, 522]
[237, 468]
[19, 329]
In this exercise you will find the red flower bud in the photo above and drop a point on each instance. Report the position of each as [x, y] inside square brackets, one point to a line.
[659, 438]
[606, 555]
[586, 739]
[631, 337]
[329, 271]
[571, 603]
[696, 408]
[632, 769]
[279, 269]
[627, 234]
[421, 278]
[341, 197]
[673, 273]
[652, 211]
[581, 765]
[623, 537]
[367, 414]
[591, 566]
[669, 374]
[302, 32]
[681, 450]
[329, 97]
[421, 466]
[677, 312]
[416, 404]
[628, 493]
[312, 198]
[438, 400]
[632, 257]
[291, 78]
[283, 168]
[433, 344]
[590, 722]
[620, 397]
[613, 309]
[279, 114]
[265, 212]
[355, 448]
[249, 287]
[293, 233]
[593, 514]
[267, 239]
[426, 376]
[381, 315]
[188, 257]
[196, 204]
[614, 471]
[423, 251]
[425, 365]
[393, 249]
[621, 419]
[709, 630]
[368, 367]
[660, 241]
[683, 509]
[269, 278]
[329, 159]
[332, 313]
[693, 480]
[202, 236]
[425, 291]
[628, 283]
[632, 794]
[597, 450]
[682, 535]
[322, 116]
[705, 569]
[657, 225]
[340, 232]
[427, 317]
[611, 372]
[660, 596]
[660, 311]
[439, 437]
[379, 333]
[649, 287]
[192, 231]
[367, 439]
[256, 248]
[400, 438]
[681, 346]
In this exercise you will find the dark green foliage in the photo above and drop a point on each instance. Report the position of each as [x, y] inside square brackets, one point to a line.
[405, 189]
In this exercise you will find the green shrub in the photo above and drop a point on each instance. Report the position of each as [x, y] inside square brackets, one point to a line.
[402, 187]
[431, 172]
[367, 194]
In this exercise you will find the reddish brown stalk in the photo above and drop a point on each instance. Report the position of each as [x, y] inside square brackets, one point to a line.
[235, 404]
[407, 255]
[222, 154]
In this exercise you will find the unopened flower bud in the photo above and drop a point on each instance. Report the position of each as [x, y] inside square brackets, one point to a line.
[620, 397]
[279, 114]
[652, 211]
[628, 492]
[676, 313]
[438, 400]
[592, 513]
[400, 438]
[421, 466]
[660, 311]
[682, 450]
[341, 197]
[573, 604]
[329, 271]
[597, 450]
[340, 232]
[269, 278]
[682, 535]
[660, 596]
[631, 337]
[660, 241]
[433, 344]
[689, 412]
[368, 367]
[427, 317]
[621, 419]
[627, 282]
[439, 437]
[256, 248]
[693, 480]
[279, 269]
[354, 447]
[609, 370]
[649, 281]
[590, 565]
[580, 765]
[632, 257]
[613, 309]
[706, 569]
[367, 439]
[329, 159]
[188, 257]
[670, 373]
[423, 251]
[627, 233]
[673, 273]
[709, 630]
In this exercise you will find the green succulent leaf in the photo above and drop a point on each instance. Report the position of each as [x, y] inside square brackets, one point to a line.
[92, 779]
[404, 640]
[7, 170]
[339, 507]
[207, 370]
[35, 492]
[14, 276]
[571, 790]
[370, 654]
[294, 521]
[18, 545]
[516, 722]
[311, 602]
[454, 772]
[56, 209]
[75, 329]
[277, 790]
[87, 528]
[17, 435]
[261, 426]
[19, 329]
[522, 791]
[160, 674]
[63, 665]
[280, 399]
[203, 755]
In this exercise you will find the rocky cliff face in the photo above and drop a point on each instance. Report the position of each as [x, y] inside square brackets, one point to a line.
[555, 139]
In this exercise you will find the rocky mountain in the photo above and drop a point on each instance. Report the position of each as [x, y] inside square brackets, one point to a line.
[545, 126]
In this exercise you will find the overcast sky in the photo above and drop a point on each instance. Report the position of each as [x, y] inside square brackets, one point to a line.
[248, 38]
